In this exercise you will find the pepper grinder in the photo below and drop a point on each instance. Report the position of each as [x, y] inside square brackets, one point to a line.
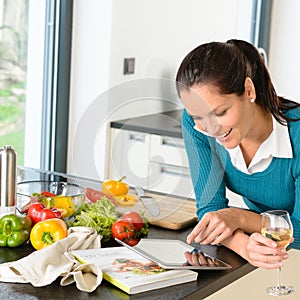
[8, 183]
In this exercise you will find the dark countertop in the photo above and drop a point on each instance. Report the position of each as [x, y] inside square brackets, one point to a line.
[208, 281]
[166, 124]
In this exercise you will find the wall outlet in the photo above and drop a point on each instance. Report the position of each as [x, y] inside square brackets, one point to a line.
[129, 66]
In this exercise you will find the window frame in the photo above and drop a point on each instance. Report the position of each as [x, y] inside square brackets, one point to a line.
[48, 85]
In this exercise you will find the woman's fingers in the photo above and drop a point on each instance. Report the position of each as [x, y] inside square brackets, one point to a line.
[197, 232]
[210, 230]
[263, 252]
[257, 238]
[207, 232]
[197, 258]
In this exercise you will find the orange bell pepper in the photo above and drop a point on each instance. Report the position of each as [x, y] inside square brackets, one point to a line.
[46, 233]
[125, 200]
[115, 187]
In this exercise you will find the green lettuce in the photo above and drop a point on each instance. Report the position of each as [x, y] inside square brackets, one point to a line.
[99, 215]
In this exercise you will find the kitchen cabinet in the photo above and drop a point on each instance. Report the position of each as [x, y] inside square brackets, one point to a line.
[155, 162]
[129, 156]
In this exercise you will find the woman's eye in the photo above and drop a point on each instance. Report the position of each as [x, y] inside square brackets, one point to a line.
[220, 114]
[196, 118]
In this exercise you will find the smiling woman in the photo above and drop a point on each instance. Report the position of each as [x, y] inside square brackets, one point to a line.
[246, 138]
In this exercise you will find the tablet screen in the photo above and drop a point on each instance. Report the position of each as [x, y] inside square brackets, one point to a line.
[175, 254]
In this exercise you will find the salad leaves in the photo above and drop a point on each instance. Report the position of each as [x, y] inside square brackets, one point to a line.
[99, 215]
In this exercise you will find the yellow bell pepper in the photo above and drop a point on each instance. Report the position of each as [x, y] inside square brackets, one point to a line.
[125, 200]
[115, 187]
[65, 205]
[45, 233]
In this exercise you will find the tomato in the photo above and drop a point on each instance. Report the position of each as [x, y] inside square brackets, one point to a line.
[131, 241]
[135, 218]
[122, 229]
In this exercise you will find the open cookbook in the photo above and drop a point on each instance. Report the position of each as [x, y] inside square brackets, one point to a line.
[132, 272]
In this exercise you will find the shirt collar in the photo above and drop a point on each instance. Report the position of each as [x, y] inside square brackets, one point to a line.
[280, 142]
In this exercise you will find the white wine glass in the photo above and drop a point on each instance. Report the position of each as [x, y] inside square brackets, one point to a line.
[277, 225]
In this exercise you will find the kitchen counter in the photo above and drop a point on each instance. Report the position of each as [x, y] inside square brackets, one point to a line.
[253, 285]
[165, 124]
[208, 282]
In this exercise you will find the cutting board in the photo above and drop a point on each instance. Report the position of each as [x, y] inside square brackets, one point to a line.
[175, 213]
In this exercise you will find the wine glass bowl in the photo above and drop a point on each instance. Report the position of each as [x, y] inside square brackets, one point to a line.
[277, 226]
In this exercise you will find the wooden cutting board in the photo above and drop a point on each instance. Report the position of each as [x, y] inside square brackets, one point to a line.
[175, 213]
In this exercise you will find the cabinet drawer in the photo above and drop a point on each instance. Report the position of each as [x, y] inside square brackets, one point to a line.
[130, 156]
[170, 179]
[168, 150]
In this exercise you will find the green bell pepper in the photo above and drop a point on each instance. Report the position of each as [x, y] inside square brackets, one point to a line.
[14, 230]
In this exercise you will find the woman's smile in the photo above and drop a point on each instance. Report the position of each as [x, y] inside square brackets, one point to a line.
[226, 134]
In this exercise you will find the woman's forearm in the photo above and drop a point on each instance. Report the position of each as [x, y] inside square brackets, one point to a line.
[238, 243]
[248, 221]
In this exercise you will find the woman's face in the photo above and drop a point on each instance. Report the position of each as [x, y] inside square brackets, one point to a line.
[229, 118]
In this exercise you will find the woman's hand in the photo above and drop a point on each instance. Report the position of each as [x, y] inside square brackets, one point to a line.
[214, 227]
[197, 258]
[263, 252]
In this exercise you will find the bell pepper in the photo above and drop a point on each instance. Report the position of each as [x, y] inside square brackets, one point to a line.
[45, 233]
[125, 200]
[62, 203]
[65, 205]
[14, 230]
[47, 194]
[39, 212]
[115, 187]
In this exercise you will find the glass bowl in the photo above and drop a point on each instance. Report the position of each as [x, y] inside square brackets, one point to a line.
[65, 196]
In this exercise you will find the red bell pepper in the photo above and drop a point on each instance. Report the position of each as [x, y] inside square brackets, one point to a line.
[39, 212]
[47, 194]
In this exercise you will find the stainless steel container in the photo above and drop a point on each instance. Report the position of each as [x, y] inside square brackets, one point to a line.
[8, 180]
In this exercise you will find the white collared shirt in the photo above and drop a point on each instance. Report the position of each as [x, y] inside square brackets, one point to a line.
[278, 144]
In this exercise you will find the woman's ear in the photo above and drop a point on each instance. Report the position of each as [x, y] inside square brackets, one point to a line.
[250, 89]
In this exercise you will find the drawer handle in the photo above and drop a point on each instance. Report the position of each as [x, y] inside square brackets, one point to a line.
[175, 170]
[137, 137]
[171, 143]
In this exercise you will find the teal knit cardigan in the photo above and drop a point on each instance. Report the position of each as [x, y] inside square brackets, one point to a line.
[278, 187]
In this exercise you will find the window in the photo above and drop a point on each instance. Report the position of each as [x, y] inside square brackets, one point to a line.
[35, 40]
[13, 68]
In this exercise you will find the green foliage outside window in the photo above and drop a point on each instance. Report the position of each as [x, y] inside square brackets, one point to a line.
[13, 65]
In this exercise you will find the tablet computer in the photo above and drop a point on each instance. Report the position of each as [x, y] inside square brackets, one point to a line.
[175, 254]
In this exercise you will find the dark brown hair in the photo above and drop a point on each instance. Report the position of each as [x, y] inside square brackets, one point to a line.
[226, 66]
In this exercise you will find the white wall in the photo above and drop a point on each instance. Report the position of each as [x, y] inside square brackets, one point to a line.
[158, 34]
[284, 62]
[90, 67]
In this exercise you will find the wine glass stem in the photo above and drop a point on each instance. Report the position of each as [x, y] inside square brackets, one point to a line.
[279, 277]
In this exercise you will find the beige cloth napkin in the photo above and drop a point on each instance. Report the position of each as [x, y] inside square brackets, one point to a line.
[44, 266]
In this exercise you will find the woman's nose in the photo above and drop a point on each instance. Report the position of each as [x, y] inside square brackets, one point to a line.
[211, 126]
